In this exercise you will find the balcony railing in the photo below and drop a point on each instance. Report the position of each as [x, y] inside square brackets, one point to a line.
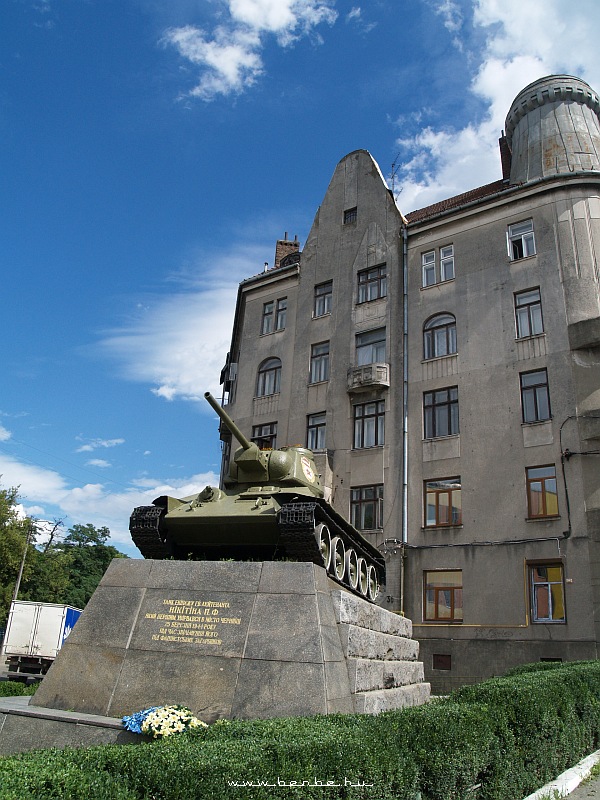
[367, 376]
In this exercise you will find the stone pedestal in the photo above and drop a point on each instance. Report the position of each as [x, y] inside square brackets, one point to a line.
[235, 640]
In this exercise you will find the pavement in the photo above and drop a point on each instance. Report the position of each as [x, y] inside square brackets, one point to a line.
[573, 784]
[587, 791]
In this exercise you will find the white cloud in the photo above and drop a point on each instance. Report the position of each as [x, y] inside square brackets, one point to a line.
[45, 493]
[93, 444]
[5, 434]
[524, 40]
[98, 462]
[229, 57]
[178, 341]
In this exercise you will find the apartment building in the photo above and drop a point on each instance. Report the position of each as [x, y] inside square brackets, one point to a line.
[444, 367]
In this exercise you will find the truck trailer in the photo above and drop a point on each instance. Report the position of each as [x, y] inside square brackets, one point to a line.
[35, 632]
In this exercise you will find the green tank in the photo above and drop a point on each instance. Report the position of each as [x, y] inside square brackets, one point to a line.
[271, 507]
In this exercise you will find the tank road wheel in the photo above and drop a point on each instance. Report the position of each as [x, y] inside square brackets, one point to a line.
[363, 577]
[324, 539]
[352, 567]
[373, 583]
[338, 558]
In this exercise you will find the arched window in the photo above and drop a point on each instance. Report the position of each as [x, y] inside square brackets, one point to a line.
[269, 377]
[439, 336]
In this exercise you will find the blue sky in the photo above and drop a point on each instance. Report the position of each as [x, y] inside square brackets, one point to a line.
[154, 150]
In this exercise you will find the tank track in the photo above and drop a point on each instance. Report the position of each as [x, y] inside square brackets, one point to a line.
[298, 522]
[144, 526]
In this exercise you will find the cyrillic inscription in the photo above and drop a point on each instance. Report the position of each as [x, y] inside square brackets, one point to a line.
[192, 621]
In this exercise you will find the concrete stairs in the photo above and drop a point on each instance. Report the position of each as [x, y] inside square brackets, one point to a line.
[381, 656]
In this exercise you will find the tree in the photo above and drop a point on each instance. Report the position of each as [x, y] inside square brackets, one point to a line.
[14, 533]
[65, 572]
[89, 557]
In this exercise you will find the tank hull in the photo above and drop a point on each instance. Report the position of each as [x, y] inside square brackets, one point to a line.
[258, 524]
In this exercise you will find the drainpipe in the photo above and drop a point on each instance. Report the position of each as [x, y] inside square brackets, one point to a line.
[404, 411]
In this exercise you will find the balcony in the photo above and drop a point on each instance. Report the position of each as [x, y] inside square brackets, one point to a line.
[368, 376]
[584, 334]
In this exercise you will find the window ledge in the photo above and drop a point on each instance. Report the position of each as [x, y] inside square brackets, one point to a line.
[524, 258]
[442, 438]
[442, 622]
[261, 396]
[370, 447]
[320, 316]
[438, 358]
[532, 336]
[270, 333]
[536, 422]
[318, 383]
[374, 300]
[439, 283]
[458, 526]
[548, 621]
[549, 518]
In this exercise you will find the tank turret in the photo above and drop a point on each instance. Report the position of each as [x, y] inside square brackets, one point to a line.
[271, 507]
[288, 466]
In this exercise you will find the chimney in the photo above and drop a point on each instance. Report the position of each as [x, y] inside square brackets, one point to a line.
[505, 157]
[284, 247]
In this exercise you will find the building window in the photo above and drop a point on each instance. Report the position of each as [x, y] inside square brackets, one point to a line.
[372, 283]
[273, 316]
[547, 592]
[265, 436]
[442, 596]
[350, 215]
[269, 377]
[542, 497]
[439, 336]
[323, 298]
[521, 243]
[315, 431]
[440, 413]
[366, 507]
[280, 314]
[535, 400]
[528, 313]
[431, 275]
[319, 362]
[369, 424]
[370, 347]
[443, 503]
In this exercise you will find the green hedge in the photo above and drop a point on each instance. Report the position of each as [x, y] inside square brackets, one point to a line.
[498, 740]
[15, 689]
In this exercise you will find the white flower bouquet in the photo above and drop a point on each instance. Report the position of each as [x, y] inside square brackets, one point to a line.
[160, 721]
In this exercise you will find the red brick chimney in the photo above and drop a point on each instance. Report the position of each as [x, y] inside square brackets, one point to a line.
[284, 247]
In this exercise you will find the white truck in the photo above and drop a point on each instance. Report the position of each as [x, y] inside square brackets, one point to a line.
[35, 632]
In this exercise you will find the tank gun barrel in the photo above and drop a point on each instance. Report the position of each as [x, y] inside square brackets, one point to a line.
[229, 423]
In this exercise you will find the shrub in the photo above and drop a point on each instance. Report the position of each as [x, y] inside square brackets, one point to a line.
[498, 740]
[16, 689]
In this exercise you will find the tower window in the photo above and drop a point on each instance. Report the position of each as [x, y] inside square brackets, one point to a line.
[521, 242]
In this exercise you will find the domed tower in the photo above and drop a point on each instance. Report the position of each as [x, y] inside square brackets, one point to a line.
[553, 128]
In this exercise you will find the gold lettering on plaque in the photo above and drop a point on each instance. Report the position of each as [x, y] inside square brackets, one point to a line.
[191, 621]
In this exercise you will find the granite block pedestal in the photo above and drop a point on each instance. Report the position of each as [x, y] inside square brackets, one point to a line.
[232, 639]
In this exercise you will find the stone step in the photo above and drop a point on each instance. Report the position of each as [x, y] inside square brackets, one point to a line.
[389, 699]
[354, 610]
[364, 643]
[369, 674]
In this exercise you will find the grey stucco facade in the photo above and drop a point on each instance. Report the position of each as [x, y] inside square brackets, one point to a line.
[461, 340]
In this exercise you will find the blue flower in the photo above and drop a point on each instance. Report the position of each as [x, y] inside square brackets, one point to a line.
[134, 722]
